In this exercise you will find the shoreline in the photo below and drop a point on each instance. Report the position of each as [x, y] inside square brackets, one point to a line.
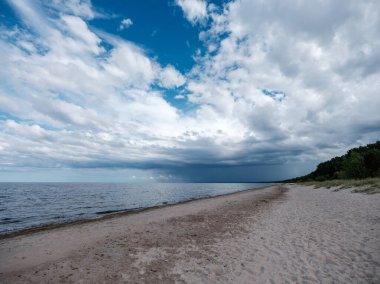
[115, 214]
[284, 233]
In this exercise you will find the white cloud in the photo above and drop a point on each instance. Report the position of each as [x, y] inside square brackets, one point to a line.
[300, 56]
[179, 97]
[170, 77]
[31, 14]
[78, 28]
[125, 23]
[280, 86]
[80, 8]
[194, 10]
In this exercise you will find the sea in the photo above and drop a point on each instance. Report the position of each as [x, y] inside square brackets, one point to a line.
[28, 205]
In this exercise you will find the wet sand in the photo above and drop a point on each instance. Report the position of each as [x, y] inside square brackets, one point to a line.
[279, 234]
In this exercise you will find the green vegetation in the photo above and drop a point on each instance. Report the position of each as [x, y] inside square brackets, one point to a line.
[360, 167]
[368, 185]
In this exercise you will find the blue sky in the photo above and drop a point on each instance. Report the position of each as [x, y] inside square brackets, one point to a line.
[184, 90]
[158, 26]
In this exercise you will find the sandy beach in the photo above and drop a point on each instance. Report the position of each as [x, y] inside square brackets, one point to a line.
[281, 234]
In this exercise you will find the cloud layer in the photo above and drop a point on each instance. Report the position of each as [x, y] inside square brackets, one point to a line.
[276, 83]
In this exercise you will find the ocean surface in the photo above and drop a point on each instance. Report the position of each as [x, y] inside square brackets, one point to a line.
[26, 205]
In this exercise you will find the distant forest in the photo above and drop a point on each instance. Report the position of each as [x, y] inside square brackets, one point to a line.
[358, 163]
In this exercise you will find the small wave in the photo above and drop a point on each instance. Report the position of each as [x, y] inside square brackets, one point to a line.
[58, 217]
[108, 212]
[4, 221]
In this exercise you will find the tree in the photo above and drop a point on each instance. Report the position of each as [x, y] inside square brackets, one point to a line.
[354, 166]
[359, 162]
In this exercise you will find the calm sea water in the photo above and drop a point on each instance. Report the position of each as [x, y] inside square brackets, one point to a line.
[25, 205]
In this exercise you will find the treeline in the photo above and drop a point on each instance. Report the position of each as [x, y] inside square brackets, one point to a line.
[358, 163]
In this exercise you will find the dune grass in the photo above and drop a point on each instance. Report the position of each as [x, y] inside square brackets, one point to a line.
[367, 185]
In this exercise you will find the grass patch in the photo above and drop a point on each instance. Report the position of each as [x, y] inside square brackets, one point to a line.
[367, 185]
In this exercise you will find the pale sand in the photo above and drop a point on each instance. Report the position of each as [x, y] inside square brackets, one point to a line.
[274, 235]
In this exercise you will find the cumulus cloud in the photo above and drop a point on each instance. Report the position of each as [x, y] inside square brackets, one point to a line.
[125, 23]
[170, 77]
[290, 85]
[195, 11]
[67, 84]
[299, 50]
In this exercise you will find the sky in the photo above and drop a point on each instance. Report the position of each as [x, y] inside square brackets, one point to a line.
[184, 90]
